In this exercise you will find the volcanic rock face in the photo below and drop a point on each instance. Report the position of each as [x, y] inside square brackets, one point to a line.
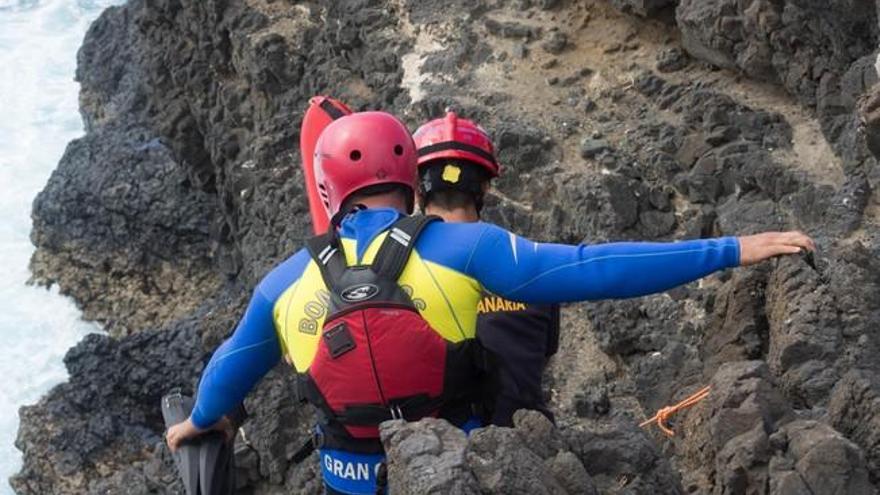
[432, 456]
[186, 190]
[794, 43]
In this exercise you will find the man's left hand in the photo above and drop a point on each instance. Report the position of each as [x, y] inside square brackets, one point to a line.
[759, 247]
[181, 432]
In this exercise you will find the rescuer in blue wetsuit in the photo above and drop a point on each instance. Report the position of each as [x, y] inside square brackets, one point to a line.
[456, 162]
[368, 160]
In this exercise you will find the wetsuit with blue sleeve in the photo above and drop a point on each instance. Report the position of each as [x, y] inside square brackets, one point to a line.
[451, 266]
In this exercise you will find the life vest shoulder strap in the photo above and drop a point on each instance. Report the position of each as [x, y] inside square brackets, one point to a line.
[327, 252]
[398, 245]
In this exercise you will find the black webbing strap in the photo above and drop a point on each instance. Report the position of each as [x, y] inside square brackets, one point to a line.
[395, 250]
[304, 451]
[382, 479]
[455, 145]
[331, 110]
[327, 252]
[411, 409]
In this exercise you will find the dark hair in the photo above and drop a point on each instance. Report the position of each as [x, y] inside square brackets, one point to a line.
[405, 193]
[450, 199]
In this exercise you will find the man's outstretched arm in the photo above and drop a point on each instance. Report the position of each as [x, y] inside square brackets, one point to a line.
[519, 269]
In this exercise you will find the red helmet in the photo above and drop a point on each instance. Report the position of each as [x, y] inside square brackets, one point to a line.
[362, 150]
[452, 137]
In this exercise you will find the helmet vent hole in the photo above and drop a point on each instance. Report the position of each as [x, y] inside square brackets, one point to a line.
[355, 155]
[398, 150]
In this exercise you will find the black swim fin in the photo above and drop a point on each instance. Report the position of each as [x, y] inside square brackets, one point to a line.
[216, 465]
[205, 463]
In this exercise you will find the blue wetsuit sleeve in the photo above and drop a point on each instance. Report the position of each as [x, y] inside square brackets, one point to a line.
[238, 364]
[522, 270]
[253, 350]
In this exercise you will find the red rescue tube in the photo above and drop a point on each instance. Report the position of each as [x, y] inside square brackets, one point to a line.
[322, 111]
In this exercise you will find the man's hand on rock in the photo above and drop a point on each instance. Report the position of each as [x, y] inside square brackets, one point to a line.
[759, 247]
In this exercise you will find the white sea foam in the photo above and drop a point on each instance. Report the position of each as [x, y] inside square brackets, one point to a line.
[38, 116]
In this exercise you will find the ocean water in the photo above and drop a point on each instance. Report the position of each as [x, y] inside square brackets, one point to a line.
[38, 116]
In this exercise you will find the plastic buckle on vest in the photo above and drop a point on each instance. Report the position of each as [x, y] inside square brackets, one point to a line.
[396, 412]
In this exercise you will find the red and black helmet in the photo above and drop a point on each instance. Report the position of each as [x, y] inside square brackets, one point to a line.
[454, 138]
[363, 150]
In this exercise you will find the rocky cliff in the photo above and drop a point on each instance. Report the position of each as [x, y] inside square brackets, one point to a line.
[628, 119]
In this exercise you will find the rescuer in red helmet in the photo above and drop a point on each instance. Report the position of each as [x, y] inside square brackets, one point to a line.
[378, 316]
[457, 161]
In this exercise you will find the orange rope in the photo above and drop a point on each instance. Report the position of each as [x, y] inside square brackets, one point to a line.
[663, 414]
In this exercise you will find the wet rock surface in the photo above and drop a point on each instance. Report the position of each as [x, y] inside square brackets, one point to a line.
[186, 189]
